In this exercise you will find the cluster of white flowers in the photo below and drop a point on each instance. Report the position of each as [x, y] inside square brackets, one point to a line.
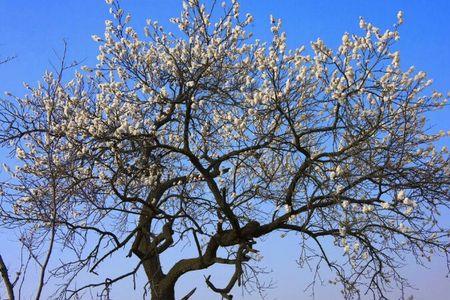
[347, 247]
[403, 228]
[342, 230]
[164, 107]
[400, 17]
[385, 205]
[345, 204]
[401, 195]
[368, 208]
[20, 153]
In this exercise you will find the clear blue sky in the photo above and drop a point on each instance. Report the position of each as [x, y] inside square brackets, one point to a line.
[32, 30]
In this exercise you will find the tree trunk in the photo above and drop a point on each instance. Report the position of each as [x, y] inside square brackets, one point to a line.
[160, 290]
[166, 293]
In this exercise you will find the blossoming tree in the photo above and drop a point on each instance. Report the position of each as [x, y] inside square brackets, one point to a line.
[212, 139]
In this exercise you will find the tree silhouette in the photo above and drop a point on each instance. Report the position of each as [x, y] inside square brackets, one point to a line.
[213, 139]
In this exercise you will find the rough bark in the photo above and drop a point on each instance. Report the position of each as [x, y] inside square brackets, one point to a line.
[166, 293]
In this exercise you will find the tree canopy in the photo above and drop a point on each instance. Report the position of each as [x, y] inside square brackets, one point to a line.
[212, 139]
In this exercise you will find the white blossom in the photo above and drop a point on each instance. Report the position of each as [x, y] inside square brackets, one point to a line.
[367, 208]
[345, 204]
[385, 205]
[401, 195]
[400, 17]
[346, 248]
[365, 255]
[20, 154]
[96, 38]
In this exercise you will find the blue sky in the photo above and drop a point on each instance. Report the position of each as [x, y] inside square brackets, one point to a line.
[33, 30]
